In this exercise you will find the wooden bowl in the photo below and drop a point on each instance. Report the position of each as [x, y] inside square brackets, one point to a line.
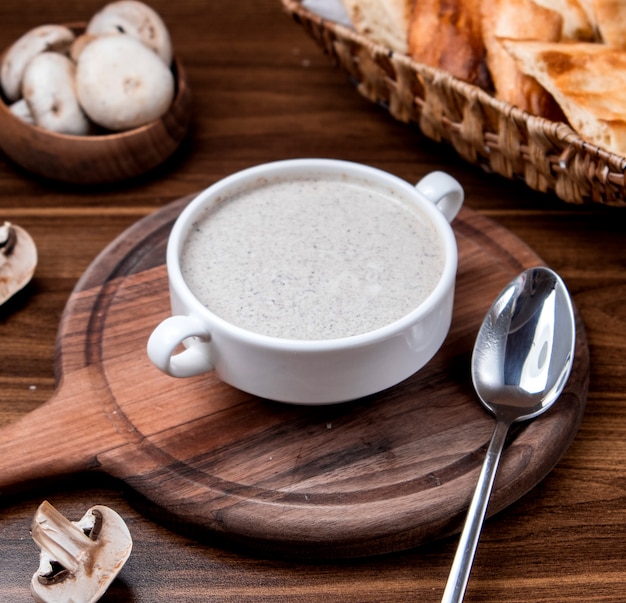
[101, 158]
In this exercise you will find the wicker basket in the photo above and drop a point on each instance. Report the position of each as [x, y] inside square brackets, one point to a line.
[497, 136]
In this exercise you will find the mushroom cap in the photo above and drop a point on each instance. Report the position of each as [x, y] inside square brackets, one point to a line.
[79, 44]
[33, 42]
[137, 20]
[48, 88]
[121, 83]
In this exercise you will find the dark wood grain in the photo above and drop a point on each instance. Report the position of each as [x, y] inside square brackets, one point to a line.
[263, 91]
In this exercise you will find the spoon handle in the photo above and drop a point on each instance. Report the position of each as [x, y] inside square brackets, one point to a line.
[464, 557]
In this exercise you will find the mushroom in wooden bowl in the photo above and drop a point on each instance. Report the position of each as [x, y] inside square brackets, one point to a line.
[99, 103]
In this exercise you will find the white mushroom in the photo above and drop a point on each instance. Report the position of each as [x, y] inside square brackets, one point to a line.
[121, 83]
[137, 20]
[79, 44]
[18, 260]
[21, 110]
[79, 559]
[40, 39]
[49, 90]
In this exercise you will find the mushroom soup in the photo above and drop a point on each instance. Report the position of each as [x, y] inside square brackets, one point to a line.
[312, 259]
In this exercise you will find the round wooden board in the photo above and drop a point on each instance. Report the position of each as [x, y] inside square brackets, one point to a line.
[376, 475]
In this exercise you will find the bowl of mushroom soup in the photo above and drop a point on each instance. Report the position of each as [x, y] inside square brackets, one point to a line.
[121, 104]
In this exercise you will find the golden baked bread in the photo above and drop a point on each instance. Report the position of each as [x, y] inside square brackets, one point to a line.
[447, 34]
[520, 20]
[384, 21]
[587, 6]
[564, 60]
[610, 18]
[587, 80]
[577, 23]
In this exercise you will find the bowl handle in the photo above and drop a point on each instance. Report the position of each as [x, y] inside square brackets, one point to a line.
[173, 332]
[444, 191]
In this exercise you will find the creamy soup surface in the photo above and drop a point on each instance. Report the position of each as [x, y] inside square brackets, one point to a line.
[312, 259]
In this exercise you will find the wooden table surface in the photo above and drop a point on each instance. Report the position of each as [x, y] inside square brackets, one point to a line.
[263, 91]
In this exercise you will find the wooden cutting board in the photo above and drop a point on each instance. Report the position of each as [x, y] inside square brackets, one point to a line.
[380, 474]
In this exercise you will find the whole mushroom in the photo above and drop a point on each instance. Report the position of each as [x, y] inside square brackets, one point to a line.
[22, 111]
[48, 89]
[135, 19]
[121, 83]
[57, 38]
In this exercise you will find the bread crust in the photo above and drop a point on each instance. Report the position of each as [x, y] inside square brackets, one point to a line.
[520, 20]
[587, 80]
[610, 16]
[577, 25]
[447, 34]
[384, 21]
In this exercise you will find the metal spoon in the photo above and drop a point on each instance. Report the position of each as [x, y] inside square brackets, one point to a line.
[521, 361]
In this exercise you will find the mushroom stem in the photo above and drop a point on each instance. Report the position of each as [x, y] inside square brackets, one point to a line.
[61, 539]
[8, 238]
[78, 559]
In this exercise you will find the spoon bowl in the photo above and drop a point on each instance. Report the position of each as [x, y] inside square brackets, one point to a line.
[524, 349]
[521, 361]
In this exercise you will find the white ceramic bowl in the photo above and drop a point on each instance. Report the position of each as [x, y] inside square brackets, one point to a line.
[309, 371]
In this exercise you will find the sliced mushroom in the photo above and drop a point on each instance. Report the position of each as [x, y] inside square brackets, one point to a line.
[79, 559]
[18, 260]
[56, 38]
[121, 83]
[49, 90]
[137, 20]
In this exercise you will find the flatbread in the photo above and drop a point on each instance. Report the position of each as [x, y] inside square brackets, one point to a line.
[383, 21]
[587, 80]
[447, 34]
[610, 16]
[577, 24]
[519, 20]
